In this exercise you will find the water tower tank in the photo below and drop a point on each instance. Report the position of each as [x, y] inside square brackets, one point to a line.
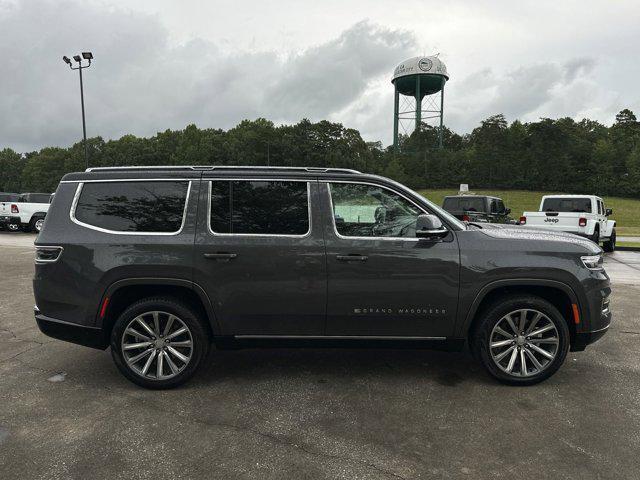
[419, 77]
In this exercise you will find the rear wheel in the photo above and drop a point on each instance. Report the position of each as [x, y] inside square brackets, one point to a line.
[35, 225]
[595, 238]
[521, 340]
[610, 245]
[158, 343]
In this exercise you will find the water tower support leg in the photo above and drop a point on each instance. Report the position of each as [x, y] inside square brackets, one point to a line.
[418, 104]
[441, 114]
[396, 113]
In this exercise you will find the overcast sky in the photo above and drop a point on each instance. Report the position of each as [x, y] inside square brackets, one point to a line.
[166, 63]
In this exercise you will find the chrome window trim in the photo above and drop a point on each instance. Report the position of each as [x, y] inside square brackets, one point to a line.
[345, 237]
[270, 235]
[76, 197]
[104, 180]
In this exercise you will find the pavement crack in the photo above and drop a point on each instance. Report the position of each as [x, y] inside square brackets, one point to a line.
[276, 439]
[14, 336]
[14, 357]
[629, 332]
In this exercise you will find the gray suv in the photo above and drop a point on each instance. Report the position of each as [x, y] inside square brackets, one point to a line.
[160, 263]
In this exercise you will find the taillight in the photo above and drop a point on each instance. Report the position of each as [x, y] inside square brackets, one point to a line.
[582, 222]
[523, 220]
[14, 208]
[465, 218]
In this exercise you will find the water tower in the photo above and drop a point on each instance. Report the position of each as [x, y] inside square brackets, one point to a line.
[418, 80]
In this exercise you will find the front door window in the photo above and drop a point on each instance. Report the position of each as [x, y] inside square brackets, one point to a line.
[361, 210]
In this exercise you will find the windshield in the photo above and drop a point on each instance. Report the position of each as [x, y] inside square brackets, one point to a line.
[567, 205]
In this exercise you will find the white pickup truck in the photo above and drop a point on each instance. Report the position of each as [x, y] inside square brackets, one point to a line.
[27, 211]
[584, 215]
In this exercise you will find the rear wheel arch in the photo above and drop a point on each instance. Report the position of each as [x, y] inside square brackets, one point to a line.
[559, 294]
[123, 293]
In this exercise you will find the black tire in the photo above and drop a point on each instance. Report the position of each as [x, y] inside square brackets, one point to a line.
[495, 313]
[193, 322]
[595, 238]
[610, 245]
[33, 225]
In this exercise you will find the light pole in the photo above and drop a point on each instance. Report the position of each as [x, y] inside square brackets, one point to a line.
[86, 56]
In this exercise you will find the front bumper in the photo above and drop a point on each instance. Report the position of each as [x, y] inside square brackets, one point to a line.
[70, 332]
[583, 339]
[600, 319]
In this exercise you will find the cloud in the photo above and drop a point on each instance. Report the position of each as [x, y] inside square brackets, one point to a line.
[141, 83]
[169, 68]
[548, 89]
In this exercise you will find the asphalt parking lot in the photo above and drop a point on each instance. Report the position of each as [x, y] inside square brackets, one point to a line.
[67, 413]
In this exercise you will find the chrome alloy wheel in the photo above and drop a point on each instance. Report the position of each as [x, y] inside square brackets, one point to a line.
[524, 343]
[157, 345]
[38, 225]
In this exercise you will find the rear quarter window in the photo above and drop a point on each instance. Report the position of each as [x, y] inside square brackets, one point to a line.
[132, 206]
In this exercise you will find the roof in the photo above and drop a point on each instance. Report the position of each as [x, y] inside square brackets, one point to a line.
[222, 168]
[472, 196]
[561, 195]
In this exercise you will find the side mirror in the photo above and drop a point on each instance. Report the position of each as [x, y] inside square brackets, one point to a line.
[608, 211]
[429, 226]
[507, 211]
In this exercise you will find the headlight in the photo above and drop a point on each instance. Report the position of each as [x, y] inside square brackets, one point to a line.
[592, 262]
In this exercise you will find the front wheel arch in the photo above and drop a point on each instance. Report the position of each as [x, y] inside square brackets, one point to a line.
[560, 295]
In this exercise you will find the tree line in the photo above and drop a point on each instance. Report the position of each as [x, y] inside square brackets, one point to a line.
[561, 155]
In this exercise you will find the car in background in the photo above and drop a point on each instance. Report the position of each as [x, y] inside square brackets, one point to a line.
[583, 215]
[7, 221]
[477, 208]
[26, 211]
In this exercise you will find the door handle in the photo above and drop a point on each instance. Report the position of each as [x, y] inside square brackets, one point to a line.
[220, 256]
[352, 258]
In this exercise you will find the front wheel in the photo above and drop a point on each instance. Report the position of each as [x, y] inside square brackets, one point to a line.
[521, 340]
[610, 245]
[158, 343]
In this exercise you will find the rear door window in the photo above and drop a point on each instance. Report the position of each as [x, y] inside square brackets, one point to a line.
[269, 207]
[133, 206]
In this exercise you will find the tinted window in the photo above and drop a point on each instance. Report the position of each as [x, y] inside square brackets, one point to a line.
[8, 197]
[497, 206]
[259, 207]
[567, 205]
[371, 211]
[35, 197]
[465, 204]
[133, 206]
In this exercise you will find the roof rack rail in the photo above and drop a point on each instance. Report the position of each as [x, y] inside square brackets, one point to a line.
[224, 167]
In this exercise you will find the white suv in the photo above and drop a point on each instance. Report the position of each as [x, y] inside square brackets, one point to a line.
[584, 215]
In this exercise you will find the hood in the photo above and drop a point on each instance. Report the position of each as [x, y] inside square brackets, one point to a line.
[516, 232]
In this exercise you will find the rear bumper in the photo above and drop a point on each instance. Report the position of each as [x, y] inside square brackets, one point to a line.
[70, 332]
[9, 220]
